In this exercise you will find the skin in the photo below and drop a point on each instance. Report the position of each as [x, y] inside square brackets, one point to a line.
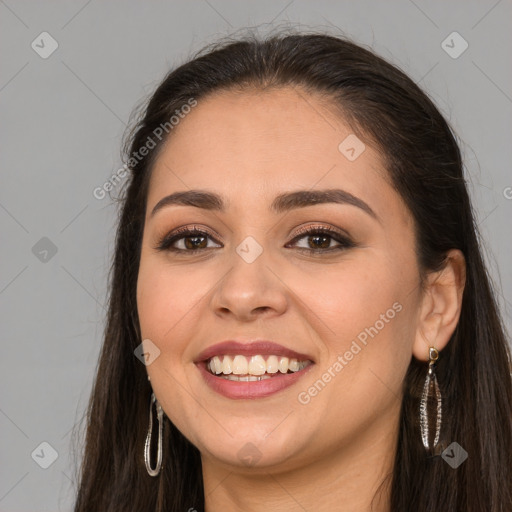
[249, 147]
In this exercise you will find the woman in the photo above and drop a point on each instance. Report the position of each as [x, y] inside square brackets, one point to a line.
[299, 316]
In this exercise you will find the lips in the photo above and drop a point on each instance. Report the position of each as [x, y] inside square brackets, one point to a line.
[253, 348]
[251, 389]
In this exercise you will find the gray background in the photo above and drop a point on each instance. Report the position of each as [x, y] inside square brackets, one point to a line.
[62, 122]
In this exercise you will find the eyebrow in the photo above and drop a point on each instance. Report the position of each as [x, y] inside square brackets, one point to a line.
[282, 203]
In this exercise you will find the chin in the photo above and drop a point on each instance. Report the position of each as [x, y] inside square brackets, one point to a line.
[253, 451]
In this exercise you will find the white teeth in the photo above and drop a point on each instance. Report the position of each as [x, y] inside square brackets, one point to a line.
[253, 366]
[240, 365]
[225, 367]
[257, 365]
[293, 365]
[283, 365]
[272, 364]
[217, 366]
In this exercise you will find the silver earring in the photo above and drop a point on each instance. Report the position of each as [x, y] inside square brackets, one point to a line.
[430, 389]
[147, 446]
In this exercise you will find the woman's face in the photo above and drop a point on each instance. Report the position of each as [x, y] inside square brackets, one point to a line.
[346, 300]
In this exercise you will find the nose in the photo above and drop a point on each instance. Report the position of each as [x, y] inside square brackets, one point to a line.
[249, 291]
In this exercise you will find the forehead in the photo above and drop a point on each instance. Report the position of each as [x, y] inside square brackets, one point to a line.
[250, 144]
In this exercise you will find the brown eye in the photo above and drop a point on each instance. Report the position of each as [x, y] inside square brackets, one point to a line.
[185, 240]
[195, 242]
[319, 239]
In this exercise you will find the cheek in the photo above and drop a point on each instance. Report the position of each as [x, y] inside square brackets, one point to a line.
[352, 296]
[171, 302]
[163, 297]
[165, 302]
[366, 310]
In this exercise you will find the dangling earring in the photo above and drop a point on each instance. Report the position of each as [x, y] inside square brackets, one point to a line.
[147, 447]
[430, 389]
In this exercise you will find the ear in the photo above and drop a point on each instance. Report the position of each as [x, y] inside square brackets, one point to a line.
[440, 305]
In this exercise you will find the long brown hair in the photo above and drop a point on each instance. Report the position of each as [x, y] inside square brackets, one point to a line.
[424, 163]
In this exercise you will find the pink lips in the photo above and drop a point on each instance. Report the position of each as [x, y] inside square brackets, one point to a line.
[254, 389]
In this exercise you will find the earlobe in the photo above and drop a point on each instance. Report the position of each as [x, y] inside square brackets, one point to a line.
[441, 306]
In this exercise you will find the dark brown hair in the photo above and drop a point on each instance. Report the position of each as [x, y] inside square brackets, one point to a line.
[424, 163]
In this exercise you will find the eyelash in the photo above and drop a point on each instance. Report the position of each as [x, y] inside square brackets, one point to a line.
[165, 244]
